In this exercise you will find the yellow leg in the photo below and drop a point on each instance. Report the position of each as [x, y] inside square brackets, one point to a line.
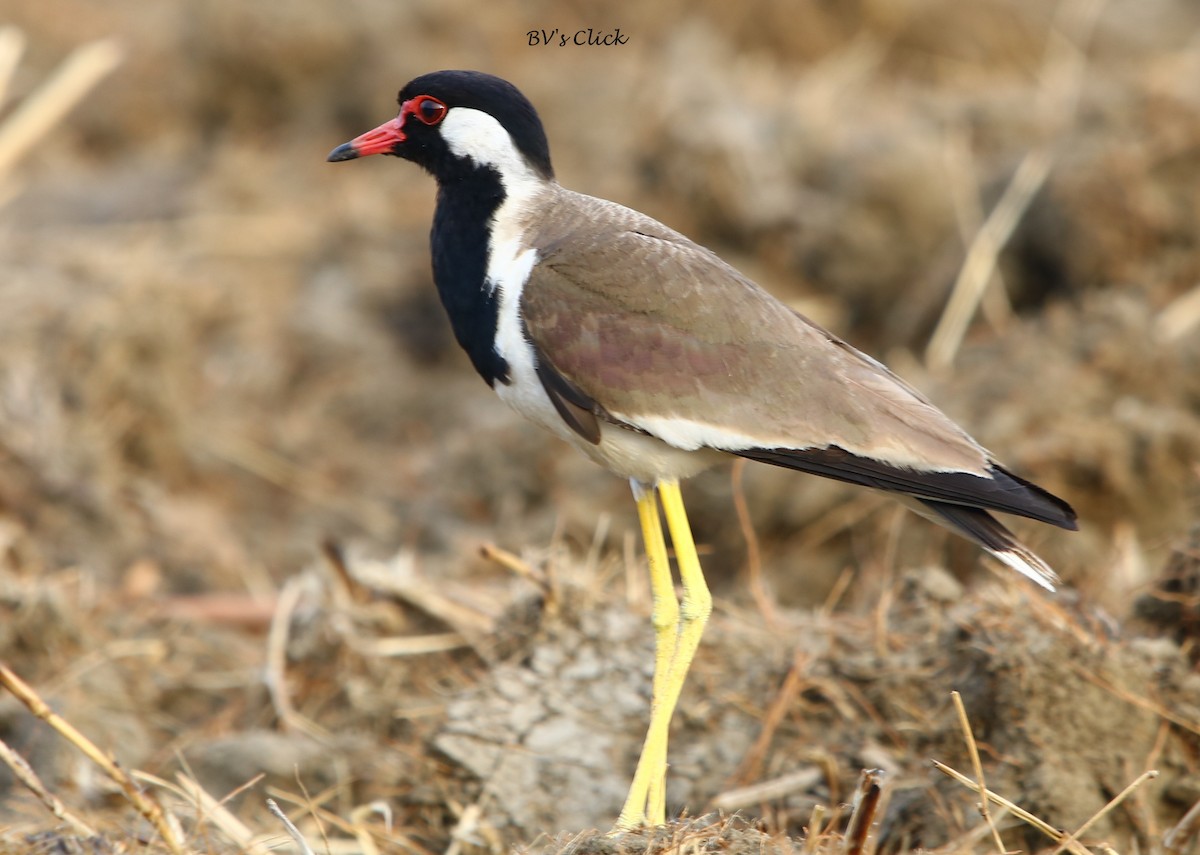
[695, 607]
[646, 793]
[677, 634]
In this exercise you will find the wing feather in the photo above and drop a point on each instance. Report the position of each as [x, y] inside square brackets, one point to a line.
[635, 323]
[664, 336]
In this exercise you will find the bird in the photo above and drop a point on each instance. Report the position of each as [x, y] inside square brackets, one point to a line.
[655, 358]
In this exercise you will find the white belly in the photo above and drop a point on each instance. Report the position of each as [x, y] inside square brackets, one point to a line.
[622, 451]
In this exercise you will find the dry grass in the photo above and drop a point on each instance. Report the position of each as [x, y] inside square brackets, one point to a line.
[224, 387]
[367, 806]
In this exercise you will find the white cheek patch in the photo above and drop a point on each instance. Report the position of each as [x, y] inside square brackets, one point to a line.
[478, 136]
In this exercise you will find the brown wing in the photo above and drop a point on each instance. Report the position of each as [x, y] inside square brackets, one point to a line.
[636, 323]
[663, 335]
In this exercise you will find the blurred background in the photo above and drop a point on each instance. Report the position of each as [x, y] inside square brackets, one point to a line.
[218, 351]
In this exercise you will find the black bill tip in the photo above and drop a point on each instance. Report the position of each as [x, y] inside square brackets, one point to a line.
[345, 151]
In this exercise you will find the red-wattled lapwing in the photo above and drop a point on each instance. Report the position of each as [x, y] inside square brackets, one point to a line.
[657, 359]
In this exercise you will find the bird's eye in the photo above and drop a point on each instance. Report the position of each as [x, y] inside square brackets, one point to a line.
[428, 109]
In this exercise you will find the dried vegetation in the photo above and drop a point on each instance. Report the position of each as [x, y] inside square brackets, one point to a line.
[245, 475]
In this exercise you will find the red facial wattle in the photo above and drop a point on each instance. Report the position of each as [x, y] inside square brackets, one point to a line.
[382, 140]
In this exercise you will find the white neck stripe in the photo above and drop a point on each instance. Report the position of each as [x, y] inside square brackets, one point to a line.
[476, 135]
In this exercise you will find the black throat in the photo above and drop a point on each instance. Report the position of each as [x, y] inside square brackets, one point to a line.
[459, 244]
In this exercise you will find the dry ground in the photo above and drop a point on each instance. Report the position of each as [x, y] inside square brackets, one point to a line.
[245, 474]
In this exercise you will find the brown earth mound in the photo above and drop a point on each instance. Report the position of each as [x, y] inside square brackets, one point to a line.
[222, 366]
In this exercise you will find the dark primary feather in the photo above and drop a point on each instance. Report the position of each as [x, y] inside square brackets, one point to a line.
[572, 405]
[975, 524]
[984, 529]
[1000, 491]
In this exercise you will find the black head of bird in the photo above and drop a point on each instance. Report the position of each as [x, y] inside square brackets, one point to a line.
[448, 119]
